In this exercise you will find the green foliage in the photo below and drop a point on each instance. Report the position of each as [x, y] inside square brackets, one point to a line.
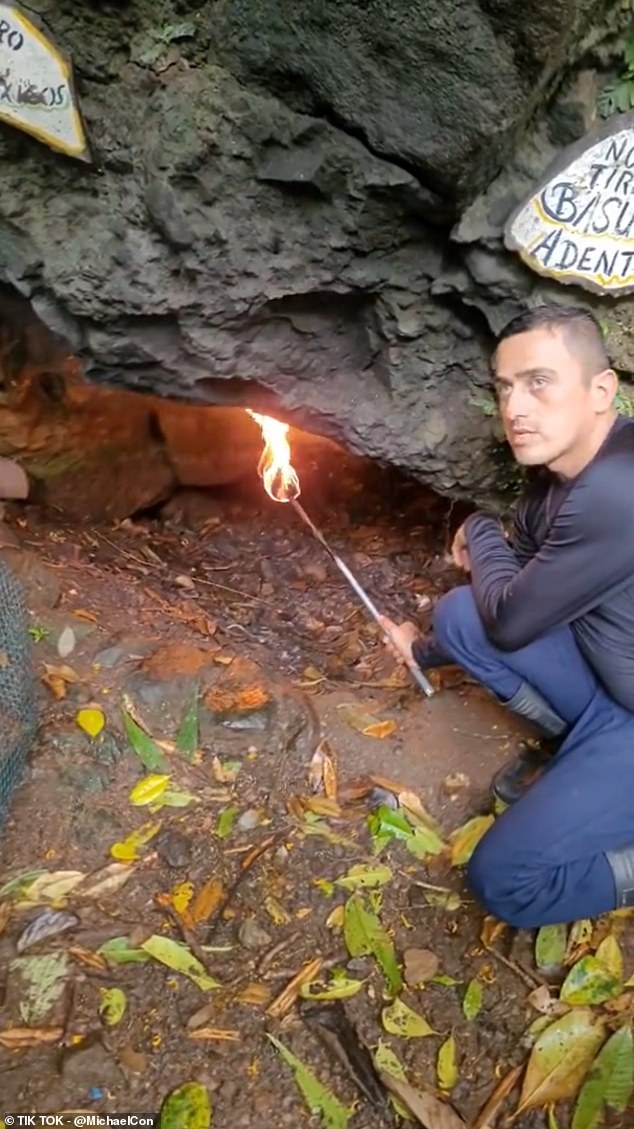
[618, 96]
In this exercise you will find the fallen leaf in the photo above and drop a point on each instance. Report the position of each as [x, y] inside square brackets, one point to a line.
[336, 918]
[446, 981]
[426, 1108]
[15, 1038]
[491, 931]
[447, 899]
[610, 956]
[364, 722]
[66, 643]
[364, 875]
[108, 880]
[560, 1059]
[579, 940]
[179, 958]
[207, 900]
[447, 1066]
[276, 911]
[128, 850]
[148, 790]
[187, 737]
[322, 772]
[255, 994]
[400, 1019]
[5, 914]
[420, 965]
[118, 950]
[187, 1107]
[550, 947]
[318, 1098]
[589, 982]
[610, 1081]
[48, 923]
[386, 1062]
[545, 1003]
[91, 719]
[144, 746]
[89, 959]
[416, 813]
[472, 1002]
[364, 935]
[226, 820]
[41, 887]
[341, 987]
[180, 898]
[56, 678]
[424, 841]
[113, 1006]
[225, 773]
[172, 798]
[465, 839]
[320, 805]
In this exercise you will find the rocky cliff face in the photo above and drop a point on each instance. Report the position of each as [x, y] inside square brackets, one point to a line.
[298, 205]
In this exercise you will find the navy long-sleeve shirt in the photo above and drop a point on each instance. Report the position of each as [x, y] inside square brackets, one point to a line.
[570, 561]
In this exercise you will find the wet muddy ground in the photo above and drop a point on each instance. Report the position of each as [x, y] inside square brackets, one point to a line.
[226, 600]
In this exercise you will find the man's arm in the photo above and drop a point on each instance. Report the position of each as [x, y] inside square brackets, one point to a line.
[588, 553]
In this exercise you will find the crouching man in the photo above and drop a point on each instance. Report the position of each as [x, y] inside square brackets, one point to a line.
[547, 625]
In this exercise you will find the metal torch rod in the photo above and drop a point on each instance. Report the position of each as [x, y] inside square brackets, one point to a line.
[416, 674]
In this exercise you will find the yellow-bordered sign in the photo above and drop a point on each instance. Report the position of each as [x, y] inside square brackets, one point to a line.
[37, 92]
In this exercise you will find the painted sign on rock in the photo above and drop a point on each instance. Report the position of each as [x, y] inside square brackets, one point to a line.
[578, 226]
[36, 87]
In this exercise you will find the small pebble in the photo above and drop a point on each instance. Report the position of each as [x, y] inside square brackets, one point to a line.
[174, 848]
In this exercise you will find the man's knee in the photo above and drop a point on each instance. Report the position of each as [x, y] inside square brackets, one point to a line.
[508, 891]
[456, 622]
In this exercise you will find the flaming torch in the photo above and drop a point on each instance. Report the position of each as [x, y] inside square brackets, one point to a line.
[281, 483]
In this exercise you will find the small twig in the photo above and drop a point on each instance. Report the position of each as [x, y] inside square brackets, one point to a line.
[269, 956]
[523, 973]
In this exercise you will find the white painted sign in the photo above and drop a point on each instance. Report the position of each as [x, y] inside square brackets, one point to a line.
[578, 227]
[36, 87]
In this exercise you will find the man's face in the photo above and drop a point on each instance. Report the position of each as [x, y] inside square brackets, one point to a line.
[548, 403]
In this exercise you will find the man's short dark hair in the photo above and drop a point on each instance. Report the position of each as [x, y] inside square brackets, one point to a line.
[582, 330]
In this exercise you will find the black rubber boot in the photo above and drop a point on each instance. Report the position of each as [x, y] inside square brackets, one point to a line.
[514, 779]
[622, 866]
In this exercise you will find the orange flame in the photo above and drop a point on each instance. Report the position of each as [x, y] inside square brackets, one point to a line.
[275, 468]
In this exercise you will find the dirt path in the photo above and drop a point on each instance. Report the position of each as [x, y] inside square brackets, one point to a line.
[228, 603]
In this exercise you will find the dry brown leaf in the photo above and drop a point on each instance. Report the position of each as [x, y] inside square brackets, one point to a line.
[14, 1038]
[255, 994]
[491, 931]
[89, 959]
[284, 1002]
[81, 613]
[380, 729]
[217, 1034]
[622, 1005]
[294, 807]
[420, 965]
[428, 1110]
[488, 1114]
[323, 772]
[5, 914]
[387, 784]
[319, 805]
[207, 900]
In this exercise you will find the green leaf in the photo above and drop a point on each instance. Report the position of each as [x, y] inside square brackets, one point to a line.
[424, 841]
[445, 981]
[465, 839]
[173, 798]
[145, 748]
[187, 736]
[387, 1062]
[318, 1098]
[118, 951]
[589, 982]
[364, 935]
[392, 824]
[399, 1019]
[447, 1066]
[15, 887]
[113, 1006]
[364, 875]
[472, 1002]
[179, 958]
[560, 1059]
[226, 820]
[341, 987]
[188, 1107]
[550, 946]
[610, 1081]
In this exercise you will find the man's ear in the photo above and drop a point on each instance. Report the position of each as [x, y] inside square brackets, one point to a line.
[605, 386]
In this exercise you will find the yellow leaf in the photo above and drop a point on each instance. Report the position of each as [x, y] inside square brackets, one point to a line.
[113, 1005]
[128, 849]
[336, 917]
[610, 956]
[447, 1067]
[91, 720]
[399, 1019]
[465, 839]
[365, 722]
[148, 790]
[181, 896]
[276, 911]
[560, 1059]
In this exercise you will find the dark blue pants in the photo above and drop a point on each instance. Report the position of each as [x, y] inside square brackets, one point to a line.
[543, 861]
